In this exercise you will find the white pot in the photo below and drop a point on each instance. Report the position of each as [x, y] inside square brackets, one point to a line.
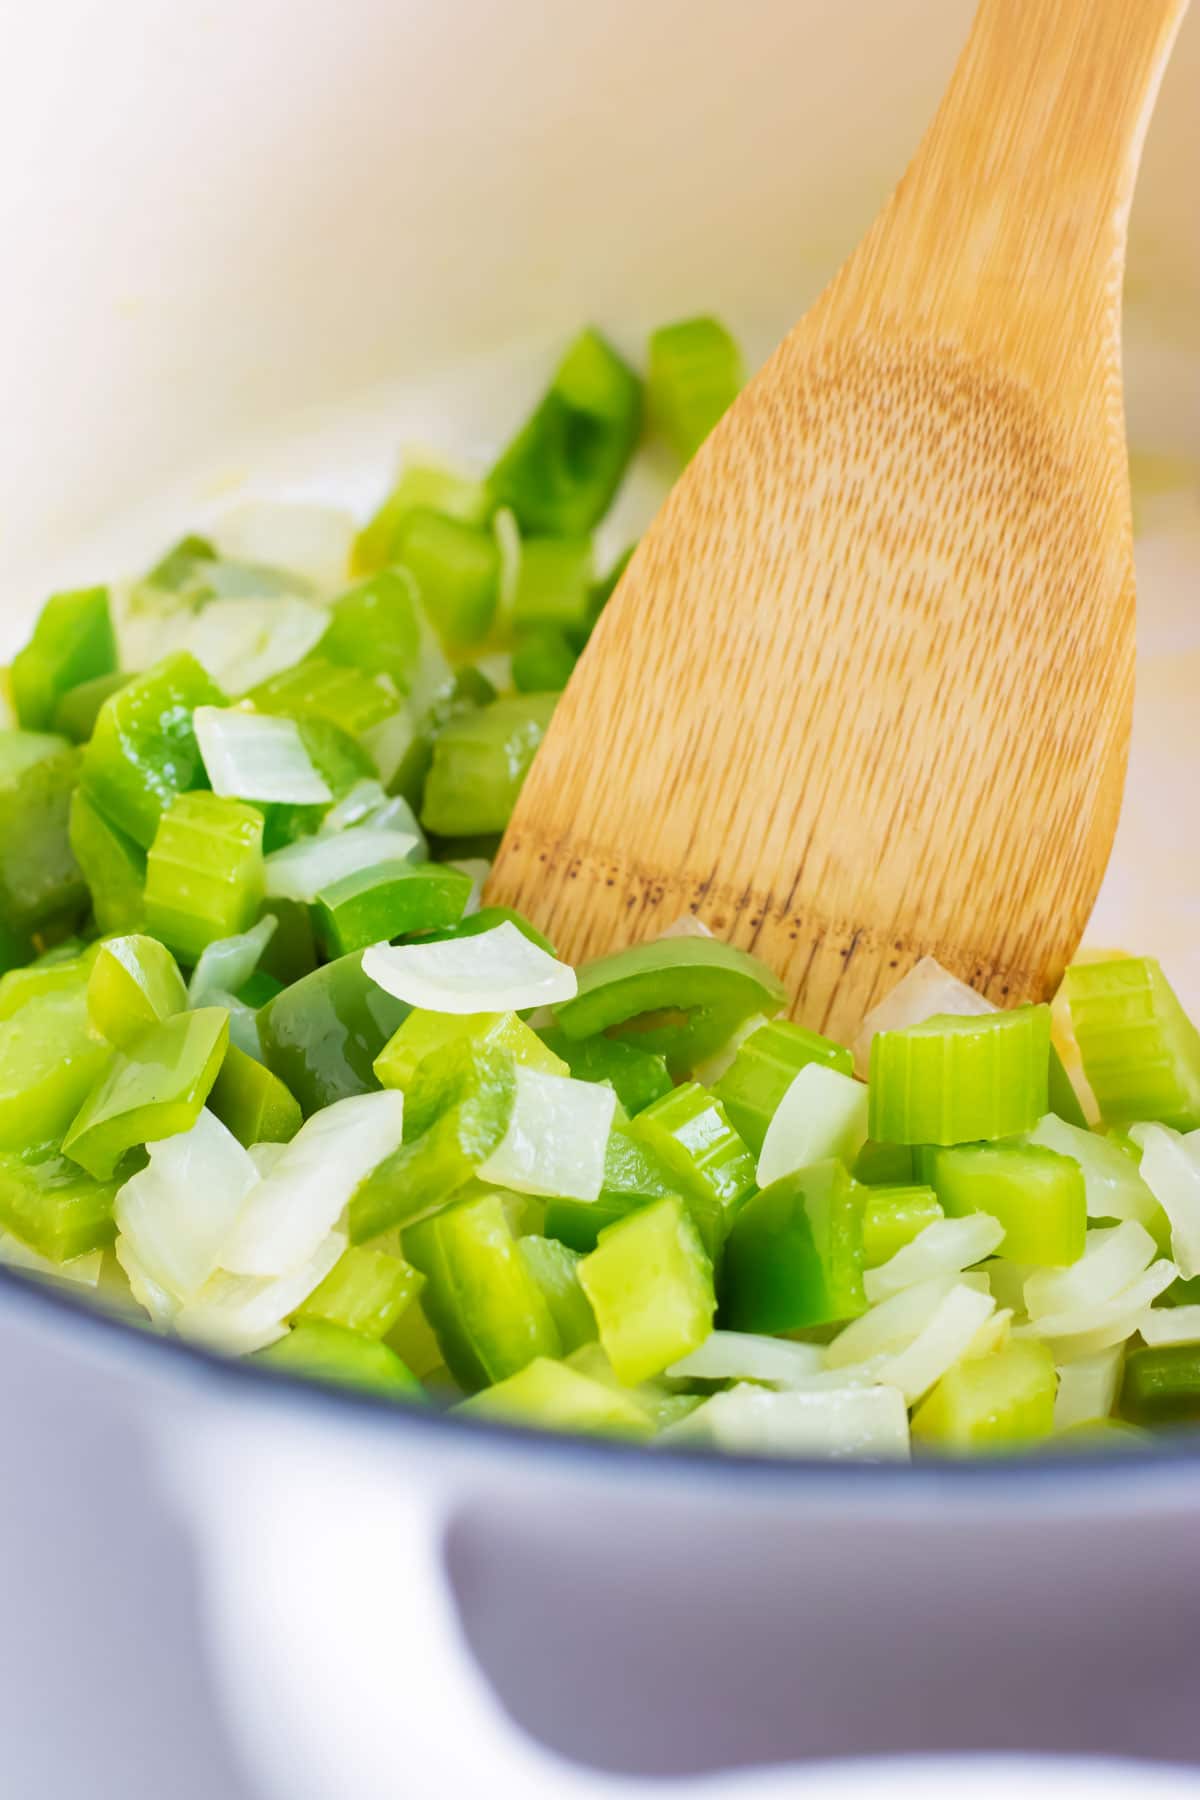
[246, 245]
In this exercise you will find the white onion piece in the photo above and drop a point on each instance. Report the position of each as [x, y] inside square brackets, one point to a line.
[387, 743]
[823, 1113]
[477, 870]
[228, 964]
[1007, 1281]
[296, 536]
[1087, 1330]
[150, 1295]
[255, 756]
[368, 803]
[746, 1356]
[992, 1335]
[265, 1156]
[244, 642]
[301, 870]
[721, 1061]
[83, 1271]
[177, 1212]
[862, 1422]
[943, 1341]
[1171, 1170]
[295, 1207]
[495, 971]
[1112, 1259]
[893, 1323]
[238, 1314]
[1087, 1388]
[556, 1138]
[927, 990]
[1171, 1325]
[1113, 1185]
[686, 926]
[946, 1247]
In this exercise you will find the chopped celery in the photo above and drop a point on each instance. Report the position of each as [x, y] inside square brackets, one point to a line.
[49, 1060]
[51, 973]
[1161, 1386]
[367, 1290]
[554, 1395]
[695, 374]
[650, 1284]
[1114, 1185]
[480, 761]
[155, 1090]
[996, 1402]
[763, 1070]
[54, 1207]
[633, 1176]
[422, 486]
[388, 900]
[714, 1172]
[252, 1102]
[111, 863]
[72, 642]
[1141, 1052]
[1035, 1194]
[134, 982]
[78, 709]
[638, 1076]
[321, 1351]
[424, 1036]
[794, 1257]
[322, 1034]
[144, 751]
[705, 989]
[554, 584]
[348, 698]
[488, 1312]
[563, 467]
[204, 872]
[893, 1217]
[375, 627]
[954, 1079]
[884, 1165]
[40, 879]
[467, 1063]
[555, 1268]
[542, 660]
[456, 567]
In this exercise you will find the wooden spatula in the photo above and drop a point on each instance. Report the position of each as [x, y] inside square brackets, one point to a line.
[864, 692]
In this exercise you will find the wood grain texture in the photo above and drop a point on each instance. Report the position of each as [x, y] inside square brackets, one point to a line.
[865, 690]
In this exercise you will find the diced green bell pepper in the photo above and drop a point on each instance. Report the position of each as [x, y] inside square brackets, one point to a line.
[388, 900]
[51, 973]
[322, 1034]
[487, 918]
[1037, 1195]
[252, 1102]
[366, 1290]
[764, 1069]
[638, 1076]
[794, 1257]
[422, 485]
[480, 761]
[456, 567]
[144, 751]
[633, 1177]
[555, 1268]
[49, 1061]
[53, 1206]
[1001, 1401]
[650, 1284]
[542, 660]
[424, 1036]
[78, 709]
[559, 1398]
[134, 982]
[72, 642]
[112, 865]
[40, 879]
[885, 1165]
[153, 1091]
[695, 374]
[1161, 1385]
[893, 1217]
[374, 627]
[320, 1351]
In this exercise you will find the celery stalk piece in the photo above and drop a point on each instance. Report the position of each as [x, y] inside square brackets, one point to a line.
[763, 1070]
[892, 1218]
[322, 1034]
[556, 1137]
[885, 1165]
[448, 1037]
[542, 660]
[1038, 1197]
[388, 900]
[49, 1060]
[55, 972]
[1112, 1180]
[321, 1351]
[489, 1314]
[78, 709]
[555, 1268]
[695, 374]
[252, 1102]
[650, 1285]
[153, 1091]
[456, 568]
[40, 880]
[367, 1290]
[350, 699]
[955, 1079]
[1161, 1386]
[794, 1255]
[204, 872]
[422, 485]
[374, 627]
[559, 1398]
[637, 1076]
[72, 642]
[999, 1402]
[688, 1132]
[144, 751]
[498, 970]
[822, 1114]
[706, 988]
[561, 470]
[134, 982]
[256, 756]
[111, 863]
[480, 761]
[633, 1177]
[53, 1207]
[1141, 1052]
[554, 583]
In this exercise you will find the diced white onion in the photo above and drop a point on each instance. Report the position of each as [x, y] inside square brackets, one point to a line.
[721, 1061]
[227, 965]
[301, 870]
[686, 926]
[176, 1212]
[388, 742]
[946, 1247]
[1171, 1325]
[1007, 1282]
[255, 756]
[265, 1156]
[746, 1356]
[992, 1335]
[927, 990]
[943, 1341]
[556, 1138]
[862, 1422]
[1171, 1170]
[83, 1270]
[1112, 1259]
[1113, 1185]
[238, 1314]
[367, 803]
[293, 1209]
[495, 971]
[477, 870]
[890, 1325]
[1087, 1388]
[244, 642]
[1086, 1330]
[298, 536]
[150, 1295]
[823, 1113]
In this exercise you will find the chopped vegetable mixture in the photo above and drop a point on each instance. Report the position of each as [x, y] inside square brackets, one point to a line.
[272, 1080]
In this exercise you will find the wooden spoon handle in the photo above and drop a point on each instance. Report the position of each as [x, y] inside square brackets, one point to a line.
[1045, 116]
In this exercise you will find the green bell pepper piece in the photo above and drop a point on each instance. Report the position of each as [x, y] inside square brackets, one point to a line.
[633, 1177]
[422, 485]
[144, 751]
[366, 1290]
[375, 627]
[153, 1091]
[555, 1268]
[480, 761]
[542, 660]
[52, 973]
[134, 982]
[456, 568]
[322, 1034]
[54, 1207]
[319, 1351]
[488, 917]
[112, 865]
[637, 1076]
[252, 1102]
[1161, 1385]
[442, 1046]
[78, 709]
[794, 1257]
[885, 1165]
[72, 642]
[650, 1284]
[40, 879]
[49, 1061]
[388, 900]
[764, 1069]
